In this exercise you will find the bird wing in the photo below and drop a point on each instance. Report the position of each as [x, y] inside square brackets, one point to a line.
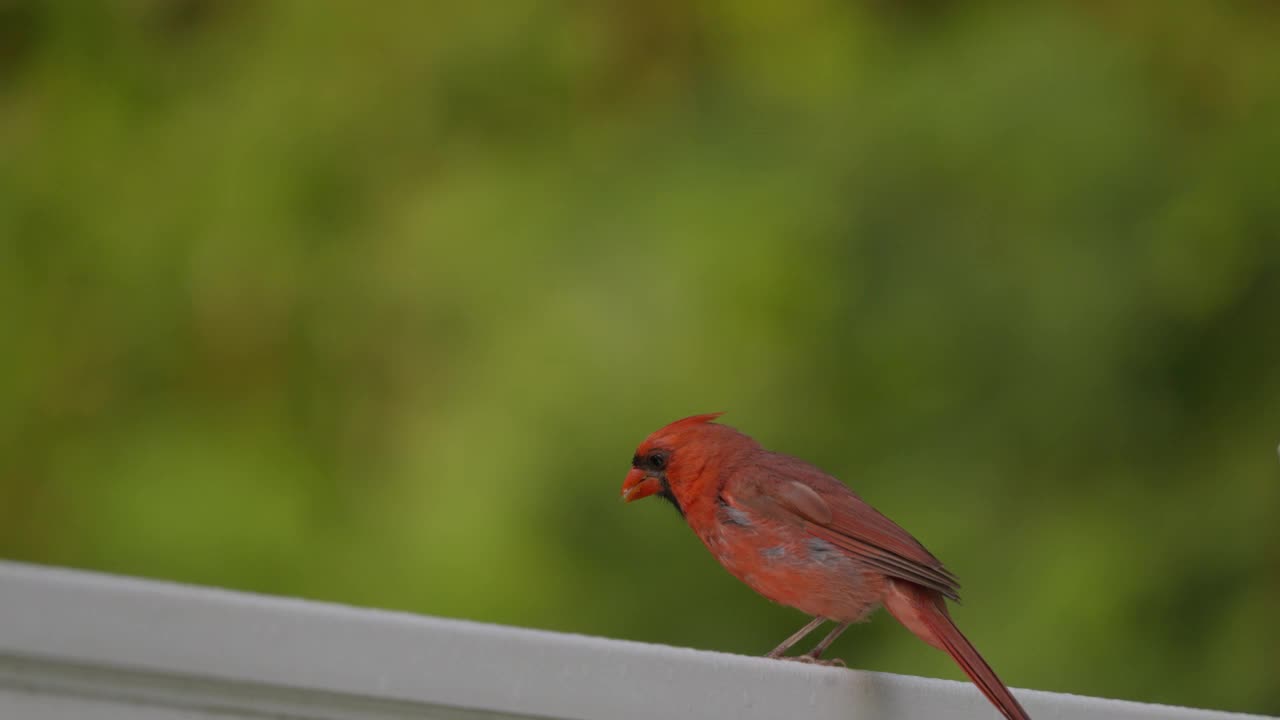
[791, 491]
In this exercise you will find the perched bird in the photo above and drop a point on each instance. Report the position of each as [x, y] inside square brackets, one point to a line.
[801, 538]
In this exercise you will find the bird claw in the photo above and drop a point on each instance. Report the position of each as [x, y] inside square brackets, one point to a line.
[810, 660]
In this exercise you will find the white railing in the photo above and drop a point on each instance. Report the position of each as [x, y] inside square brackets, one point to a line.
[97, 647]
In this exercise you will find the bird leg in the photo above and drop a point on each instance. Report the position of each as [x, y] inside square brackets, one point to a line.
[813, 657]
[777, 652]
[818, 649]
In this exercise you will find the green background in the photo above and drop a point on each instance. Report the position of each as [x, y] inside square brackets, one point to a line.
[372, 303]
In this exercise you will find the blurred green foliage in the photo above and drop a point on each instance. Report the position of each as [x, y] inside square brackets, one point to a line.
[373, 303]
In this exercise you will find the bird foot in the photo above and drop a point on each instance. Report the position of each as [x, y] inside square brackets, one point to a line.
[810, 660]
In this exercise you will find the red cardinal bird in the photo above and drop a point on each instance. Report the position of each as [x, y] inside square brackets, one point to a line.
[801, 538]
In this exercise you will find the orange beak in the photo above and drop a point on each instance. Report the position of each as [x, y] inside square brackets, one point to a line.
[639, 485]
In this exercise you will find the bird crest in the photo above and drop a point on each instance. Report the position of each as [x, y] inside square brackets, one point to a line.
[694, 420]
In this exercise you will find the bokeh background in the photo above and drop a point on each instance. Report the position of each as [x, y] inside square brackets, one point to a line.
[372, 304]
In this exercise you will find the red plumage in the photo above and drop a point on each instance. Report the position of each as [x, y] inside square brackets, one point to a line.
[801, 538]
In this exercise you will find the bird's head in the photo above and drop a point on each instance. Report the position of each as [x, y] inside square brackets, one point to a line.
[672, 462]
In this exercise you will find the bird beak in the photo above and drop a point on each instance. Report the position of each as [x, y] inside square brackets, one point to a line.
[639, 485]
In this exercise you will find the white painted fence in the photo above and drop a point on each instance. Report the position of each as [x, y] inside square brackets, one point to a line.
[85, 646]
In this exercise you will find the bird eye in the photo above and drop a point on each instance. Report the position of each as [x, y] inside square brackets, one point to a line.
[657, 461]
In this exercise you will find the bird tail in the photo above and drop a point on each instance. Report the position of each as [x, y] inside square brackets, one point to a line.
[924, 612]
